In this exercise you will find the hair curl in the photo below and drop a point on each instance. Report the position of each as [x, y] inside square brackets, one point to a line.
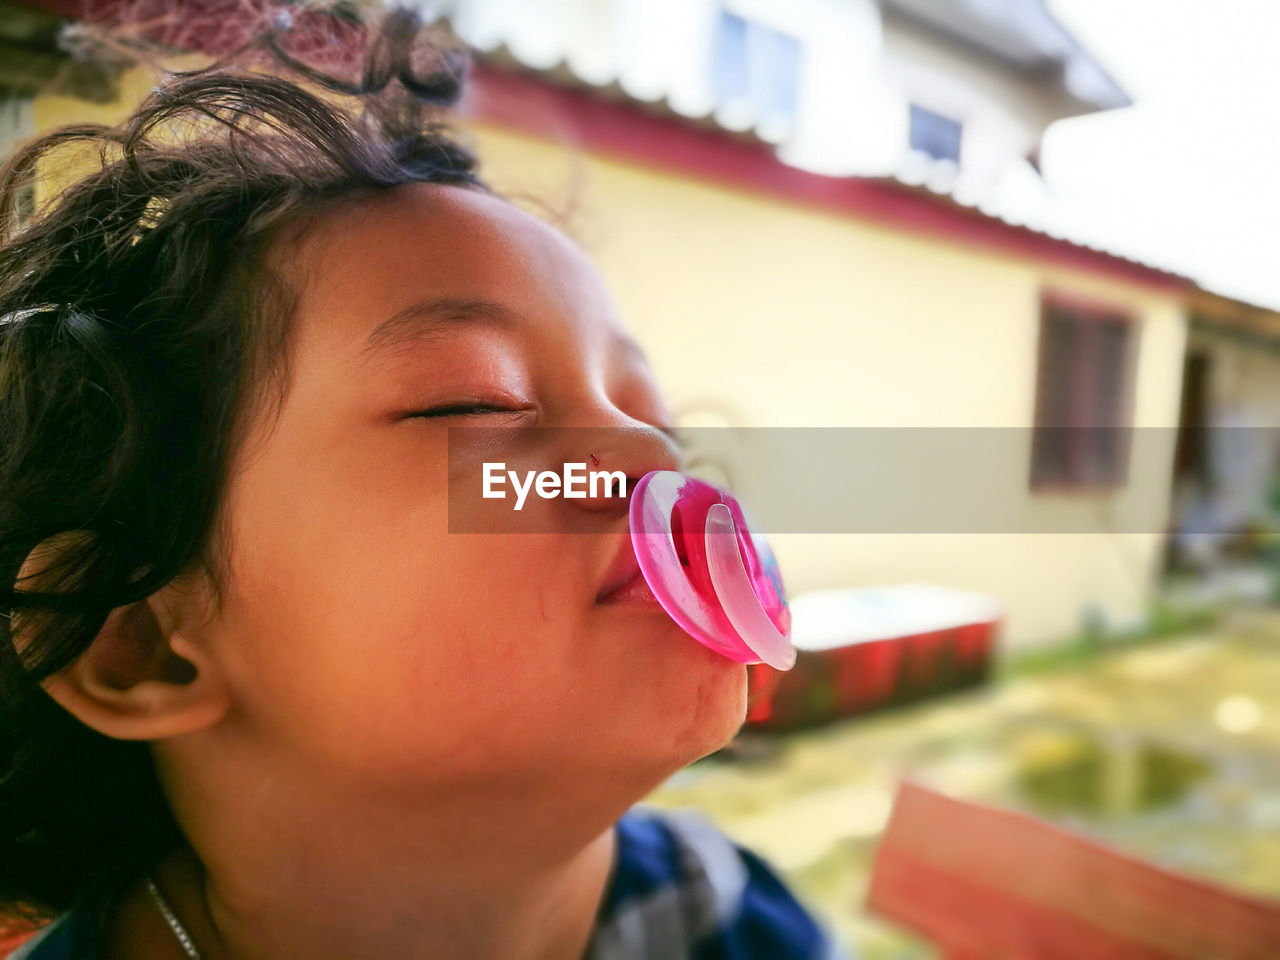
[138, 322]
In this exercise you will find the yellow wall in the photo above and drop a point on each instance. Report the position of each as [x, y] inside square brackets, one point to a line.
[821, 320]
[51, 110]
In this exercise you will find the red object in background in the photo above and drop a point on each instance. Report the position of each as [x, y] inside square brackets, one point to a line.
[984, 884]
[869, 674]
[10, 941]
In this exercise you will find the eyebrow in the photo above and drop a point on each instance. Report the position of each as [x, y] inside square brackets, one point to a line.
[427, 318]
[424, 320]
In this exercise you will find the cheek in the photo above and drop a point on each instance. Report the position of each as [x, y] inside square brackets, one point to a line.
[400, 644]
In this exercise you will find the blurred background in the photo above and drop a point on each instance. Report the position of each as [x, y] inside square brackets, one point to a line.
[1053, 216]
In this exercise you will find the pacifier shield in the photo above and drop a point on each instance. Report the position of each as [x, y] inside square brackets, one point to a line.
[714, 575]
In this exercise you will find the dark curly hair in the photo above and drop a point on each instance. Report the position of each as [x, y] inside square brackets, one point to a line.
[140, 325]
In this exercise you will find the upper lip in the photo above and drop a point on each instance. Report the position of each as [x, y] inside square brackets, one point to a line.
[624, 569]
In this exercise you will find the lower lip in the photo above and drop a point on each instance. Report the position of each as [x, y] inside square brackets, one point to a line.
[635, 592]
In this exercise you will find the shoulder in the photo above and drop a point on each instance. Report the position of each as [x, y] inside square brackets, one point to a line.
[681, 888]
[66, 938]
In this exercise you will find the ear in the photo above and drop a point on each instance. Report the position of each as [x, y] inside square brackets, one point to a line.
[143, 678]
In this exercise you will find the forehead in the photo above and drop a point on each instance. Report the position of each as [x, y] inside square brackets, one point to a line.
[370, 259]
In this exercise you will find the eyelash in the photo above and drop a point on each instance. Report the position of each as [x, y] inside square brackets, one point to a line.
[479, 409]
[461, 410]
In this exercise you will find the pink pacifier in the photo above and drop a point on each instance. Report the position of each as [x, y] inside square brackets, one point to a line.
[714, 575]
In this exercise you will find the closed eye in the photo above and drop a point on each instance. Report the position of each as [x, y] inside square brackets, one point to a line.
[464, 410]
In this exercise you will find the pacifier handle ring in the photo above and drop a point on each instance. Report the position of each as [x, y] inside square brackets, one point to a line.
[737, 597]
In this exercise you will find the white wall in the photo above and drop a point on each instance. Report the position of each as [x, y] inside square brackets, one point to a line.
[859, 73]
[1003, 117]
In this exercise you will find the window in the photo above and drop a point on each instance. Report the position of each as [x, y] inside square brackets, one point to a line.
[758, 66]
[934, 134]
[1083, 390]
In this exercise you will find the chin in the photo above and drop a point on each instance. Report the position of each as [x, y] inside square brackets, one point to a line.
[679, 702]
[663, 732]
[716, 712]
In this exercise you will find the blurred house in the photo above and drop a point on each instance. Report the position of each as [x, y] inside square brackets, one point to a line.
[1227, 463]
[828, 213]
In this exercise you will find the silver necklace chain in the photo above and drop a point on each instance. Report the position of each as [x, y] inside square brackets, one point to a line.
[175, 924]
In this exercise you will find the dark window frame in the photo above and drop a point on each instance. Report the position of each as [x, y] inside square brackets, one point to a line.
[1086, 371]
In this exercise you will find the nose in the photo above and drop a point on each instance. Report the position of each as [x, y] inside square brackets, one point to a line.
[626, 446]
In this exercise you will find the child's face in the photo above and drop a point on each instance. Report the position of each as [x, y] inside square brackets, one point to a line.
[361, 637]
